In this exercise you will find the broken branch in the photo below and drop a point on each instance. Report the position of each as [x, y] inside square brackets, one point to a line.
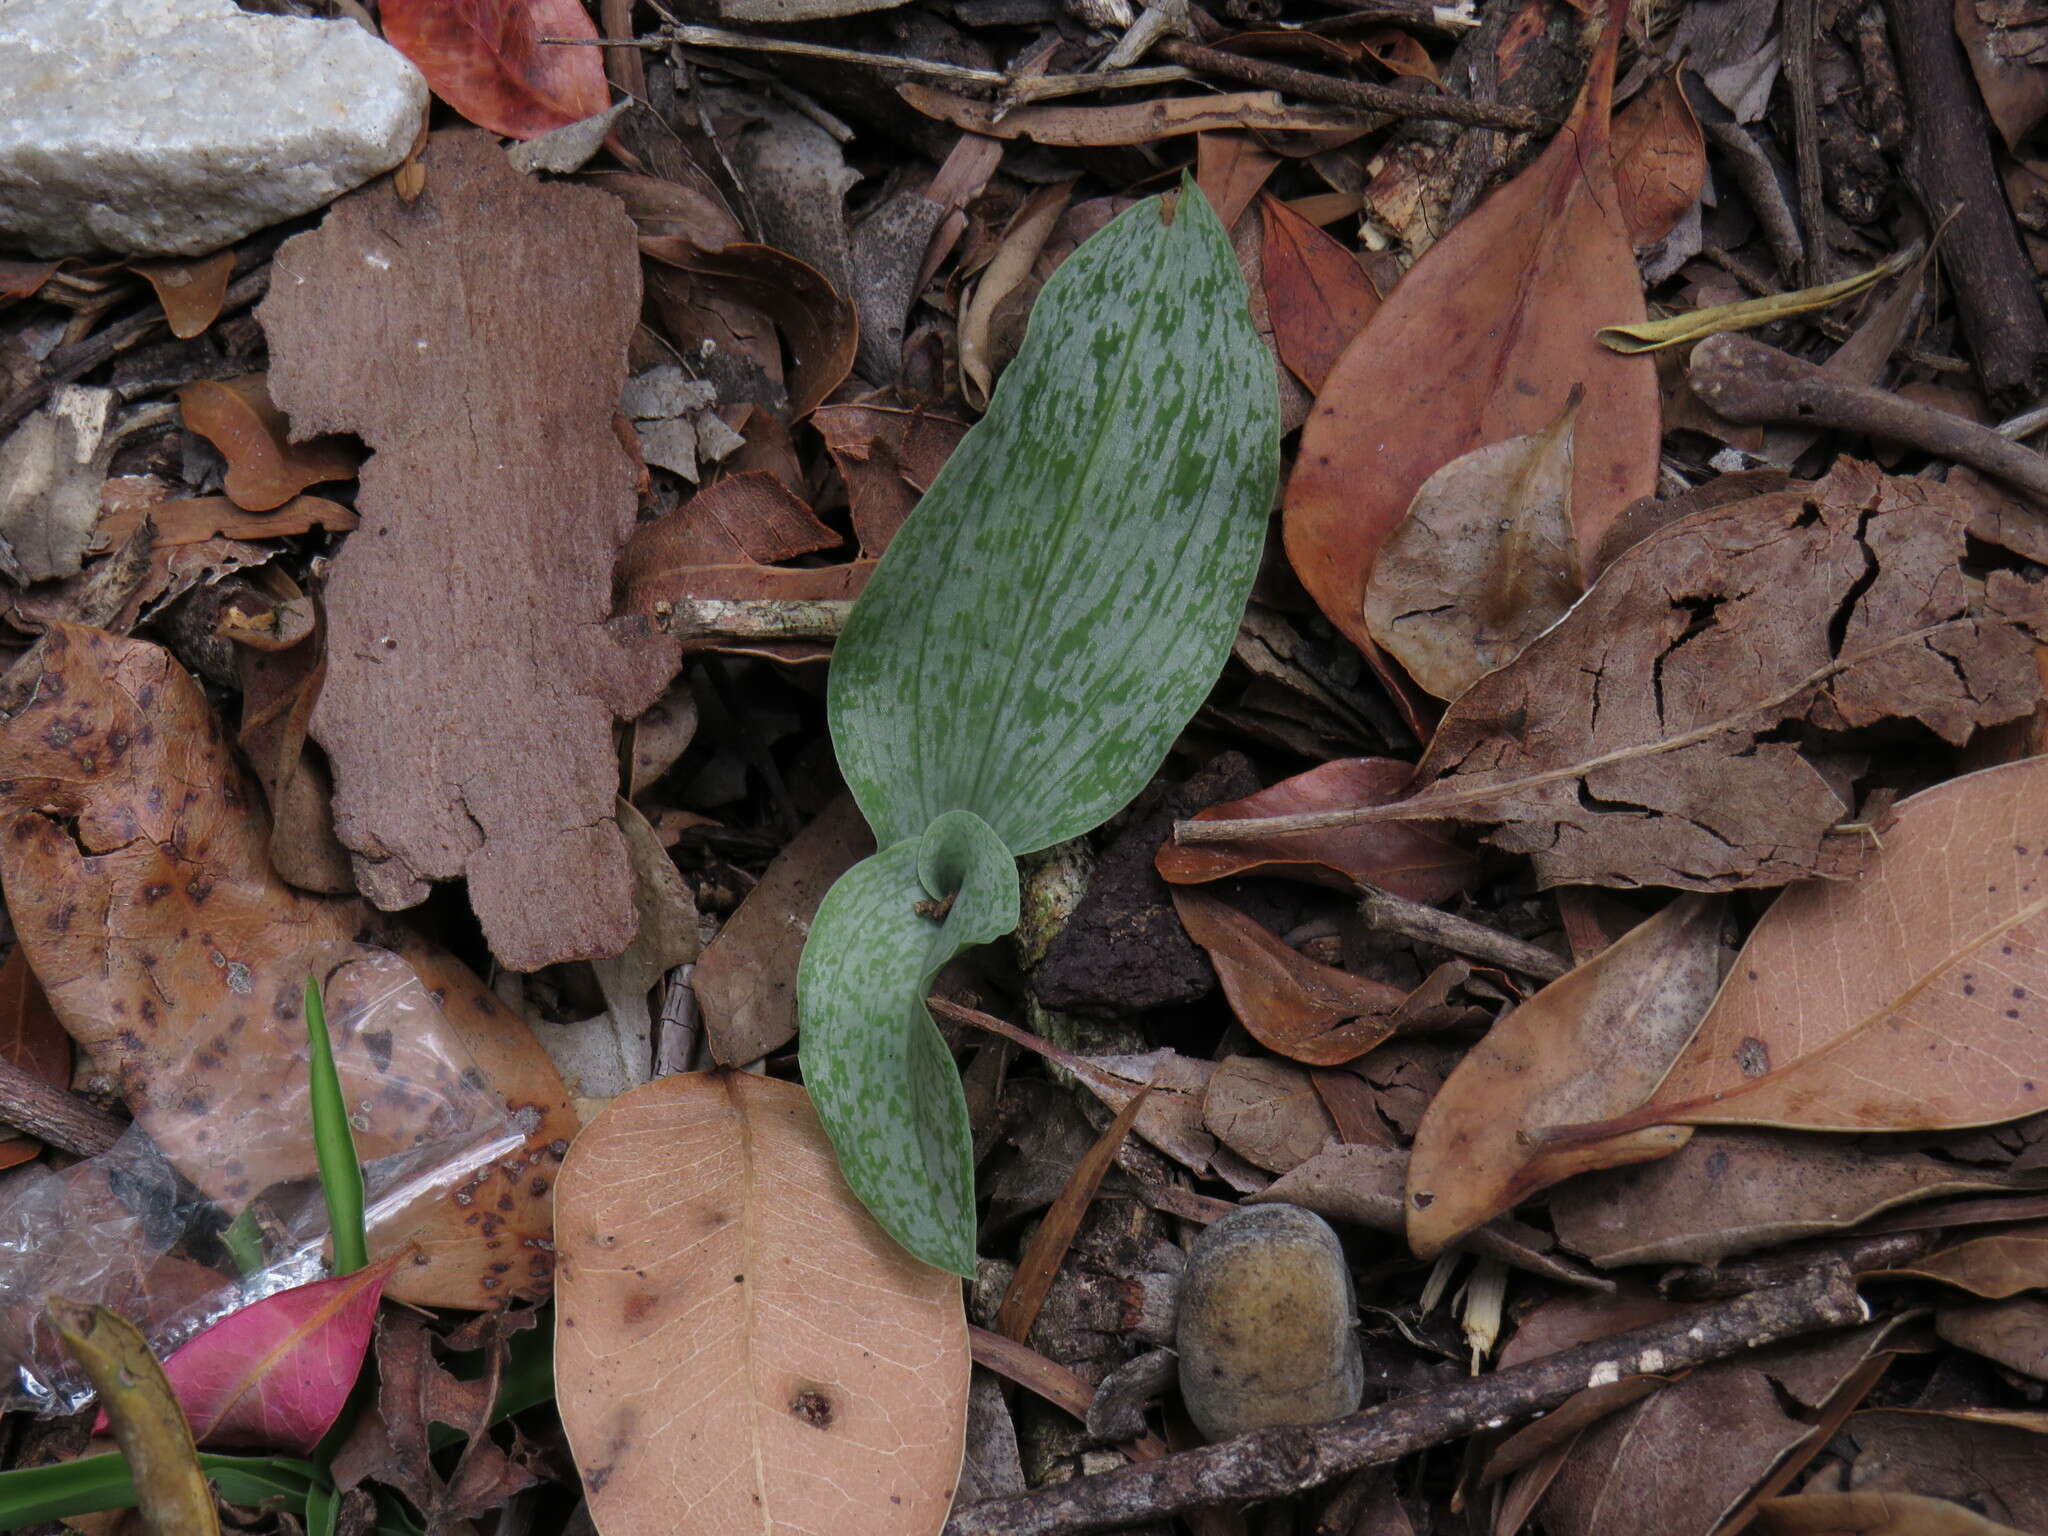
[1348, 93]
[52, 1115]
[1273, 1463]
[1460, 935]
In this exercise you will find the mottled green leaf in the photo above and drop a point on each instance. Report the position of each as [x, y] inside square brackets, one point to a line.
[1068, 588]
[876, 1066]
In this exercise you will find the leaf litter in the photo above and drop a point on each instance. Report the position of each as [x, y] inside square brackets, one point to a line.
[687, 385]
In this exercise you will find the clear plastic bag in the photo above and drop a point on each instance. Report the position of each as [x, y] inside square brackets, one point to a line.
[194, 1216]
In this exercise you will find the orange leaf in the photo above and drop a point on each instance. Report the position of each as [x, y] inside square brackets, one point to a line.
[1317, 293]
[491, 60]
[1484, 340]
[266, 468]
[191, 290]
[1660, 160]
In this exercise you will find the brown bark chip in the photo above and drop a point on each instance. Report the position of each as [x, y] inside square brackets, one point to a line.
[476, 339]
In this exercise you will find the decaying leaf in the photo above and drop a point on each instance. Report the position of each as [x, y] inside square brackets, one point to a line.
[1483, 563]
[266, 468]
[487, 59]
[468, 705]
[1728, 1192]
[1595, 1039]
[1993, 1462]
[1317, 294]
[1741, 617]
[1485, 339]
[1913, 998]
[136, 869]
[1660, 160]
[1865, 1512]
[2014, 1333]
[1411, 859]
[1995, 1266]
[1266, 1112]
[275, 1375]
[887, 458]
[1653, 335]
[738, 1345]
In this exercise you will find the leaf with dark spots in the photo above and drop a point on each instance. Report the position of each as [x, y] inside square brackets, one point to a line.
[1483, 340]
[165, 941]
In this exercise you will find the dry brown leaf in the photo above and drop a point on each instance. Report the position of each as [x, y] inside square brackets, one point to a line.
[2014, 1333]
[1133, 123]
[1993, 1462]
[1015, 254]
[190, 289]
[266, 468]
[1995, 1266]
[1305, 1010]
[746, 981]
[1660, 160]
[136, 870]
[1232, 169]
[1596, 1039]
[1862, 1512]
[1317, 294]
[738, 1346]
[472, 678]
[1411, 859]
[1914, 998]
[1484, 340]
[1837, 606]
[887, 457]
[1728, 1192]
[31, 1039]
[1483, 563]
[195, 520]
[1267, 1112]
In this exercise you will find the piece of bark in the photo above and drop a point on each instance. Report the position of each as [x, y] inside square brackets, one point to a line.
[1948, 165]
[476, 338]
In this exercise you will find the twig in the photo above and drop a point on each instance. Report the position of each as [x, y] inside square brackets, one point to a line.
[758, 618]
[1744, 380]
[1859, 1254]
[1948, 165]
[75, 361]
[52, 1115]
[690, 36]
[1460, 935]
[1272, 1463]
[1758, 179]
[1800, 30]
[1348, 93]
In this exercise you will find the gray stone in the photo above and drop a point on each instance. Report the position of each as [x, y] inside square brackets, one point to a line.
[174, 127]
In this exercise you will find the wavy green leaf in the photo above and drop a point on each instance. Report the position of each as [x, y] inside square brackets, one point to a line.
[1066, 592]
[875, 1063]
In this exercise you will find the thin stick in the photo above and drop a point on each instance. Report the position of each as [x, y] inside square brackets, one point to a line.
[52, 1115]
[1273, 1463]
[757, 619]
[1349, 93]
[1460, 935]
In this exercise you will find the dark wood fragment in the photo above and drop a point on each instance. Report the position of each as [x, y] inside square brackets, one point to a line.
[52, 1115]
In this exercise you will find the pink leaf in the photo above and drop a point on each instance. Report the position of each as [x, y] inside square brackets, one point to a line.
[276, 1374]
[487, 59]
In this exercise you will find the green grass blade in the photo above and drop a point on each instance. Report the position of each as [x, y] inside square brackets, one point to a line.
[334, 1144]
[34, 1495]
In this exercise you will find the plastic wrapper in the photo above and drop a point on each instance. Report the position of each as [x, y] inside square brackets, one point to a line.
[179, 1229]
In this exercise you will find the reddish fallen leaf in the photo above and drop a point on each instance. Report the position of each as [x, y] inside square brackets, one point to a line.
[487, 59]
[1914, 998]
[1402, 53]
[31, 1039]
[24, 279]
[1317, 294]
[1485, 339]
[191, 291]
[887, 458]
[276, 1375]
[1660, 160]
[1310, 1012]
[1232, 169]
[751, 517]
[266, 468]
[199, 518]
[1587, 1045]
[1413, 859]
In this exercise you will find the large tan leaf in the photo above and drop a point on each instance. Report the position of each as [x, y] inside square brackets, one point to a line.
[1598, 1035]
[1484, 340]
[1914, 998]
[738, 1346]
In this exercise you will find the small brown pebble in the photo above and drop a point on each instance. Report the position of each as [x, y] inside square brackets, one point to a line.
[1267, 1331]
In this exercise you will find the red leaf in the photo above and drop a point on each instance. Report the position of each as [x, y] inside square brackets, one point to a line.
[1316, 291]
[485, 58]
[275, 1375]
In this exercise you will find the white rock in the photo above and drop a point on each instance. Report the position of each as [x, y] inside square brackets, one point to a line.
[174, 127]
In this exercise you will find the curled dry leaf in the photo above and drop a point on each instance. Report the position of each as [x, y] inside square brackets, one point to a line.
[738, 1345]
[1835, 605]
[1483, 340]
[1660, 160]
[1310, 1012]
[1483, 563]
[1595, 1040]
[199, 518]
[275, 1375]
[487, 60]
[1728, 1192]
[1914, 998]
[177, 959]
[266, 468]
[190, 289]
[1411, 859]
[1317, 294]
